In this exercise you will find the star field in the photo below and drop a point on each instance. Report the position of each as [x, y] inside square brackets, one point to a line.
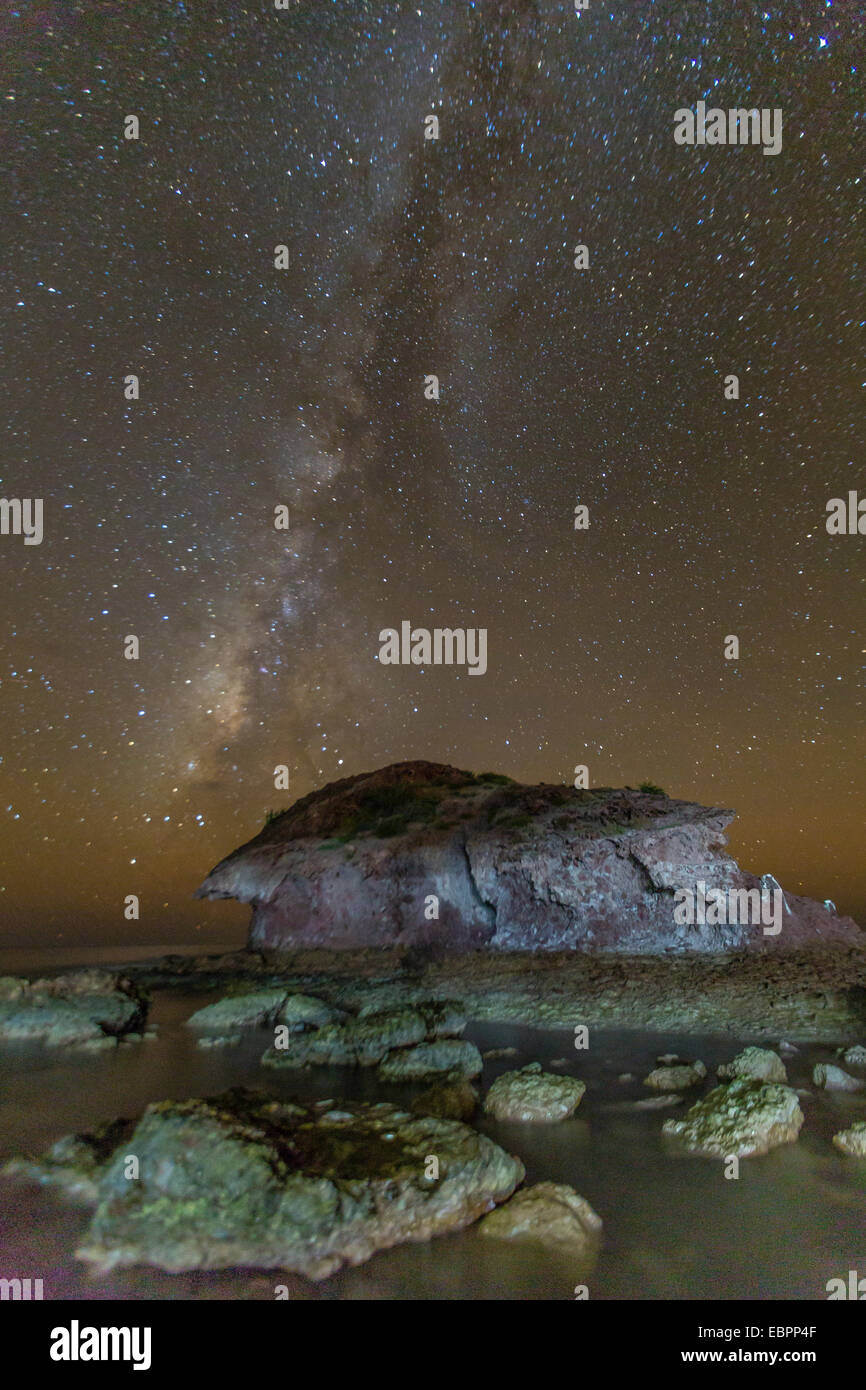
[304, 387]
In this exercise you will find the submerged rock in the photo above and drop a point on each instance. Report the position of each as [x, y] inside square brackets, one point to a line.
[755, 1064]
[676, 1076]
[241, 1179]
[855, 1056]
[425, 1060]
[83, 1008]
[532, 1095]
[514, 868]
[548, 1214]
[741, 1119]
[834, 1078]
[666, 1101]
[852, 1141]
[451, 1098]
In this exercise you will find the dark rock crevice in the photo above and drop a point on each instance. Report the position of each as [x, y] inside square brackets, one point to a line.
[484, 906]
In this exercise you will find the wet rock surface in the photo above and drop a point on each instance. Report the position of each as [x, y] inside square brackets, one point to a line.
[549, 1214]
[532, 1095]
[427, 1059]
[452, 1097]
[241, 1179]
[742, 1119]
[852, 1141]
[835, 1079]
[802, 995]
[755, 1064]
[252, 1010]
[365, 1041]
[675, 1075]
[85, 1008]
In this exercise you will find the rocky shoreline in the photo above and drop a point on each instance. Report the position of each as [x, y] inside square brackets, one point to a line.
[817, 994]
[267, 1179]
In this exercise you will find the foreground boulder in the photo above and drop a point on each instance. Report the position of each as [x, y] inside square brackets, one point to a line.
[533, 1096]
[739, 1120]
[83, 1008]
[241, 1179]
[548, 1214]
[513, 868]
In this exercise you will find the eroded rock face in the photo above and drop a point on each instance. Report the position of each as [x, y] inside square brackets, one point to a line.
[244, 1180]
[533, 1096]
[83, 1008]
[741, 1119]
[513, 868]
[548, 1214]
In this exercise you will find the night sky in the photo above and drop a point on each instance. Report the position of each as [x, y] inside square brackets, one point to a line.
[305, 387]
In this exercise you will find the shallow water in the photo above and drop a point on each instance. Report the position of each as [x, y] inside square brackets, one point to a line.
[674, 1227]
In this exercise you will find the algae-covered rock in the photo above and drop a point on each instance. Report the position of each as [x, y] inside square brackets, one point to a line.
[855, 1056]
[425, 1060]
[548, 1214]
[451, 1098]
[741, 1119]
[852, 1141]
[755, 1064]
[241, 1179]
[364, 1041]
[80, 1008]
[676, 1076]
[237, 1011]
[301, 1011]
[532, 1095]
[443, 1018]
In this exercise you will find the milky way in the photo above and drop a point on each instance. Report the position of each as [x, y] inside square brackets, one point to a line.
[305, 387]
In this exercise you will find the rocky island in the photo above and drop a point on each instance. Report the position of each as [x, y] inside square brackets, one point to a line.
[423, 854]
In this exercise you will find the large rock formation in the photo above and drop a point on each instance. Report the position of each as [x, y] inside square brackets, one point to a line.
[513, 867]
[240, 1179]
